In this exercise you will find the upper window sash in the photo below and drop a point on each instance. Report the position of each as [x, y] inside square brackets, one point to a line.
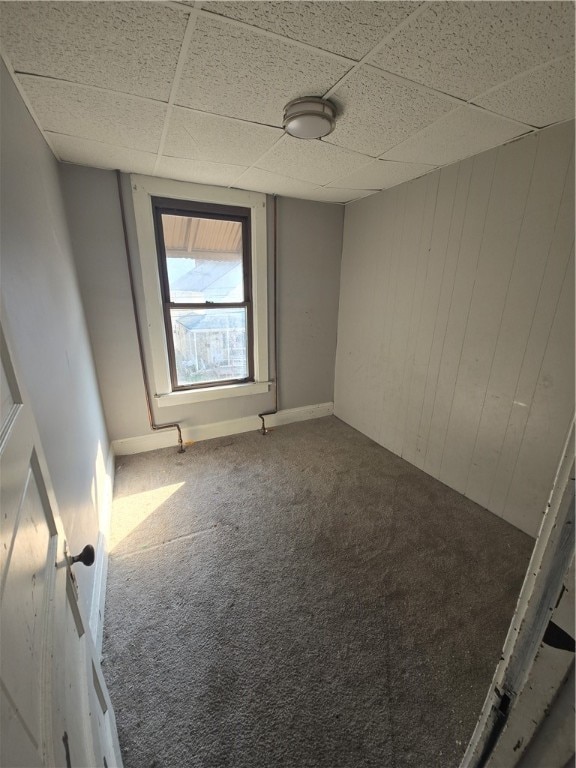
[197, 211]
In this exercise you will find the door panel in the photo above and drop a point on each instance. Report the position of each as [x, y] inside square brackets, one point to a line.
[48, 663]
[538, 651]
[71, 711]
[99, 714]
[6, 396]
[23, 612]
[15, 452]
[18, 749]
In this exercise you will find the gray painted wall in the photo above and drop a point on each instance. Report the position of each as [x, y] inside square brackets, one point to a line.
[456, 326]
[309, 250]
[309, 254]
[91, 200]
[47, 326]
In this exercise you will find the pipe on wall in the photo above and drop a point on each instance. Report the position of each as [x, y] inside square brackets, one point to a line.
[261, 416]
[153, 425]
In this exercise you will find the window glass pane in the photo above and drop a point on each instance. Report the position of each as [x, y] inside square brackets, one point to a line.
[204, 259]
[209, 344]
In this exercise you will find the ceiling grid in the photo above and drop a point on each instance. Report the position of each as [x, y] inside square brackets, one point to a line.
[190, 27]
[195, 91]
[374, 50]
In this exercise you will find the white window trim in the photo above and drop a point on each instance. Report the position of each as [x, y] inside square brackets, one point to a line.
[143, 189]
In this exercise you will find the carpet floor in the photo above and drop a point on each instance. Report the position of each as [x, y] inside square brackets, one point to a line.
[301, 600]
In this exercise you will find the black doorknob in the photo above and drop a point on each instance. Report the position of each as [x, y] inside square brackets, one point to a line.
[86, 557]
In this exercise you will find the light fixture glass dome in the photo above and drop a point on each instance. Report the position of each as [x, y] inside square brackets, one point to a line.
[309, 117]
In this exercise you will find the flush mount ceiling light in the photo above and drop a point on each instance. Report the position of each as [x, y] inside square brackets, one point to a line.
[309, 117]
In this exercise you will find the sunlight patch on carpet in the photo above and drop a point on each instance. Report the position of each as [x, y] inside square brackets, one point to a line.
[131, 511]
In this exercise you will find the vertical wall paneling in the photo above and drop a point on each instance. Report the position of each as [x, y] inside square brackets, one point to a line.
[553, 398]
[423, 256]
[400, 309]
[530, 259]
[418, 359]
[455, 335]
[402, 332]
[388, 373]
[426, 344]
[478, 197]
[557, 261]
[382, 230]
[503, 222]
[384, 313]
[447, 299]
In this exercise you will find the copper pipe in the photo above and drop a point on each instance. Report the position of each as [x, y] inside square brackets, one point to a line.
[264, 430]
[153, 425]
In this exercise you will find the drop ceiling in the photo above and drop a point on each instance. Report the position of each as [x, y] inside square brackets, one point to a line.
[195, 91]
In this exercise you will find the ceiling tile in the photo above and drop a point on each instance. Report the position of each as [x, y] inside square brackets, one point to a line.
[313, 161]
[99, 155]
[462, 133]
[349, 29]
[243, 74]
[201, 172]
[465, 48]
[127, 47]
[376, 112]
[114, 118]
[538, 98]
[200, 136]
[336, 195]
[257, 180]
[382, 174]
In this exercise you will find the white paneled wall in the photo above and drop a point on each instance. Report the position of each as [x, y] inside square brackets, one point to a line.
[456, 323]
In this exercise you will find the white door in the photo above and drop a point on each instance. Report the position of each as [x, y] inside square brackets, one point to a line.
[55, 710]
[528, 716]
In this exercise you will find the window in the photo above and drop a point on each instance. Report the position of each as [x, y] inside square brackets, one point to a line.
[204, 266]
[203, 263]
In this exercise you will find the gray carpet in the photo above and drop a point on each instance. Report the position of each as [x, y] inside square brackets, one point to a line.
[304, 599]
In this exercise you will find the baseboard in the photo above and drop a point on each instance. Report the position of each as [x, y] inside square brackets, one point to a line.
[101, 562]
[167, 438]
[290, 415]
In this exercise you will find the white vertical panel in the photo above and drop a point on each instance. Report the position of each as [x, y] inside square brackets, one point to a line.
[389, 319]
[445, 321]
[416, 262]
[533, 246]
[383, 225]
[474, 221]
[389, 366]
[553, 400]
[412, 393]
[432, 334]
[503, 222]
[404, 307]
[558, 258]
[435, 443]
[425, 304]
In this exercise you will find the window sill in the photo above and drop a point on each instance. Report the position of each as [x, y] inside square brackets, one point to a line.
[212, 393]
